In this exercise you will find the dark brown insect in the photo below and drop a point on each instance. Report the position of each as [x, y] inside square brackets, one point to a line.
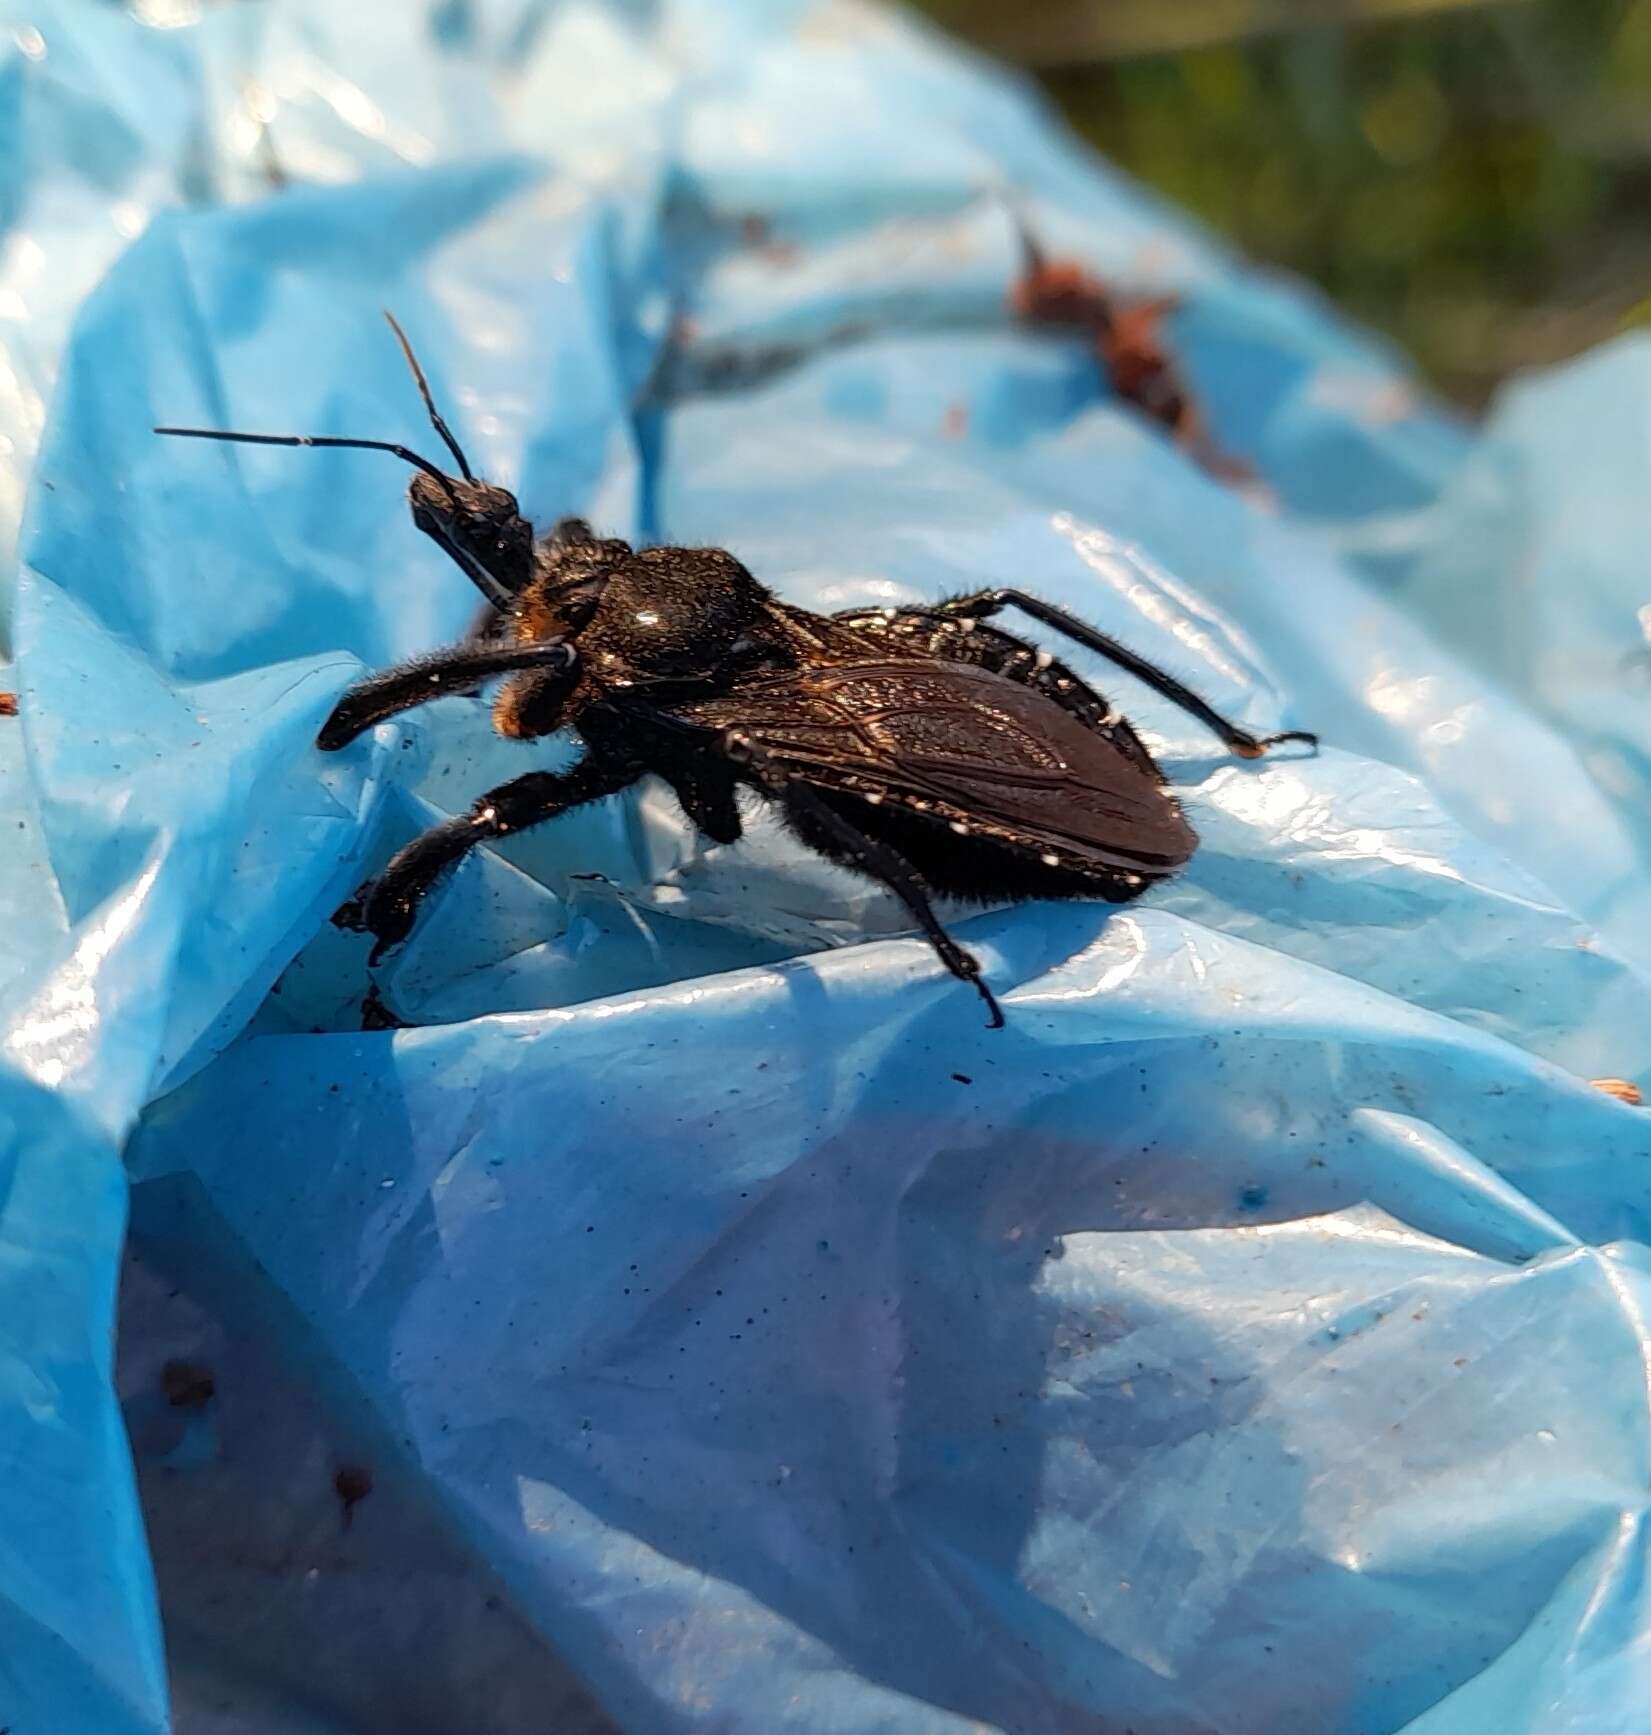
[922, 747]
[1129, 342]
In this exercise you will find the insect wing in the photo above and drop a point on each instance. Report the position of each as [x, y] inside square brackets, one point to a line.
[973, 742]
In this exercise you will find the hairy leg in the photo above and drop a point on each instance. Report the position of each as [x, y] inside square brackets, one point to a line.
[952, 639]
[840, 838]
[877, 861]
[458, 669]
[1240, 741]
[388, 909]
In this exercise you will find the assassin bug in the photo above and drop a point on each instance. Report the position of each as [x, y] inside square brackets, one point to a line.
[920, 747]
[1128, 340]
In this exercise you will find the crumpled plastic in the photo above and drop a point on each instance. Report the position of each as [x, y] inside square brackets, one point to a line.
[695, 1319]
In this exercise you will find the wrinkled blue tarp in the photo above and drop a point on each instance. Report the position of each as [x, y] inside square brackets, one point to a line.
[1251, 1338]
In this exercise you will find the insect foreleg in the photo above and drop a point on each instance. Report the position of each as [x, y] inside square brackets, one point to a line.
[389, 909]
[459, 669]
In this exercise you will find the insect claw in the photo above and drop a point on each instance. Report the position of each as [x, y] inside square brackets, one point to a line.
[351, 915]
[967, 966]
[1305, 735]
[389, 927]
[1255, 747]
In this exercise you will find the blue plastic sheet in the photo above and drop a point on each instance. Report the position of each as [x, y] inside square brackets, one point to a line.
[1252, 1337]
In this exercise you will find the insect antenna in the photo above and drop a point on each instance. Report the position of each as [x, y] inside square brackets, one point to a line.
[423, 384]
[307, 440]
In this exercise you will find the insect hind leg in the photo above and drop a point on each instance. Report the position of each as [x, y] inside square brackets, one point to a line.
[954, 638]
[823, 828]
[819, 823]
[986, 603]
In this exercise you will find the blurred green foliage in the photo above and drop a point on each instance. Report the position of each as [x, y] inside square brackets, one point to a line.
[1476, 182]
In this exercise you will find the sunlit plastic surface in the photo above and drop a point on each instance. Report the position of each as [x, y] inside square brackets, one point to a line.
[734, 1333]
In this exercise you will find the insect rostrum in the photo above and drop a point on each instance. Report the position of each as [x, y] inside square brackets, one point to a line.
[922, 747]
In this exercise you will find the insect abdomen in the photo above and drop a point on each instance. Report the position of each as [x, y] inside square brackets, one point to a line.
[987, 864]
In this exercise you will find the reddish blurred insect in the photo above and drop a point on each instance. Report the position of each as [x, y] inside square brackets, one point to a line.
[1129, 342]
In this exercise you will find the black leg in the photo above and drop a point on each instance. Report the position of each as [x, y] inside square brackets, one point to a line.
[457, 670]
[708, 801]
[877, 861]
[388, 910]
[1240, 741]
[872, 857]
[990, 647]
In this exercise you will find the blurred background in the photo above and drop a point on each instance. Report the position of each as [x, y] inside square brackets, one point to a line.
[1472, 177]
